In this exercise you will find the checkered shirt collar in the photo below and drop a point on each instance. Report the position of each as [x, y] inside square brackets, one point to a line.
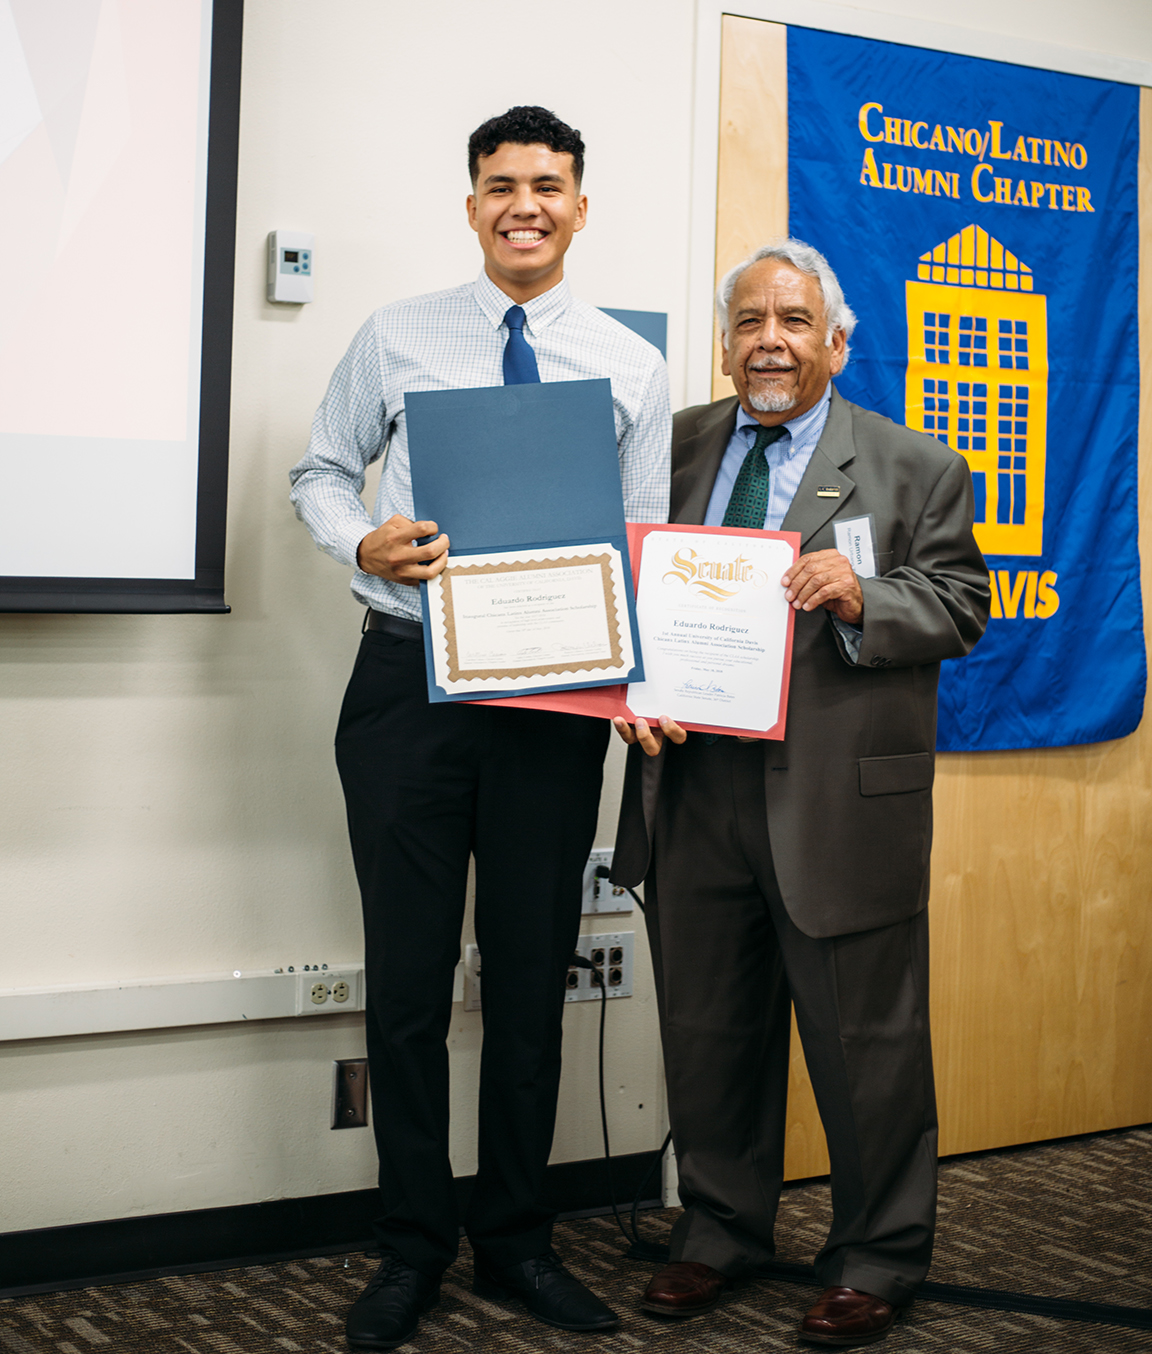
[540, 312]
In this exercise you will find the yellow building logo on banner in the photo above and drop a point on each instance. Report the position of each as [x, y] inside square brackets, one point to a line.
[978, 379]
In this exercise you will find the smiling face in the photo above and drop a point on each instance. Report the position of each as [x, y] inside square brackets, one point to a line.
[775, 350]
[525, 208]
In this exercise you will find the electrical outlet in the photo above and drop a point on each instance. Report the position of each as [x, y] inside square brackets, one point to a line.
[350, 1093]
[328, 991]
[599, 894]
[611, 954]
[471, 977]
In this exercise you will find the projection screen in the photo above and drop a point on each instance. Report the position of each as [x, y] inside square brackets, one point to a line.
[118, 146]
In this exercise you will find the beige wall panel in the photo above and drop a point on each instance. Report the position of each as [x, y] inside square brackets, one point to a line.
[753, 169]
[1042, 862]
[805, 1152]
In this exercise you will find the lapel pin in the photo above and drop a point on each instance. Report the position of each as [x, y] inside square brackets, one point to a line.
[827, 491]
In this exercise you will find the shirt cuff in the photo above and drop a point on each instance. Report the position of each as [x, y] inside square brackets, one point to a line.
[347, 540]
[851, 635]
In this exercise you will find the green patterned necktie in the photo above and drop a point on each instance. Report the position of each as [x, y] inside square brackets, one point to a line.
[748, 505]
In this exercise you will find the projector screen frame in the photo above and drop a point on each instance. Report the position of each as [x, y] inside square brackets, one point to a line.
[205, 592]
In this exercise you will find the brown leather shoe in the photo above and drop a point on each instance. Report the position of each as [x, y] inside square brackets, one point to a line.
[684, 1288]
[845, 1316]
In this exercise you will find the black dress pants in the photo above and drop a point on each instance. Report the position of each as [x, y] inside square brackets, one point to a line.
[730, 965]
[427, 786]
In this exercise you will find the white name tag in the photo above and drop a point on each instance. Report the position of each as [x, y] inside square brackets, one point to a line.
[856, 538]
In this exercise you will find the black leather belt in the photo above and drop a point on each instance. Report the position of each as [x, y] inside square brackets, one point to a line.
[392, 625]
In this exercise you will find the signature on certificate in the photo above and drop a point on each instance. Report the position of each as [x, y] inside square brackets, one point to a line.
[703, 688]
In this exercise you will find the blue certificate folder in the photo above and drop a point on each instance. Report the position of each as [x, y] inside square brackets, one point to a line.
[518, 467]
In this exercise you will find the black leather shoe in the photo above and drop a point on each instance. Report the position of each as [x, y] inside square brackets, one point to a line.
[549, 1292]
[388, 1311]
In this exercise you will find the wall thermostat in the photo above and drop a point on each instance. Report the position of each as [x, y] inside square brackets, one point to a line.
[291, 260]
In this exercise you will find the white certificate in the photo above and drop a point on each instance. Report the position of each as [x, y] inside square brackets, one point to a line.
[515, 620]
[714, 626]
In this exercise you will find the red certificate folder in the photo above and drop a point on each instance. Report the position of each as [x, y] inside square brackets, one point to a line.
[607, 702]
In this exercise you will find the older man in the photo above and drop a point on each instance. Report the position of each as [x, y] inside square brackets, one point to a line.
[795, 873]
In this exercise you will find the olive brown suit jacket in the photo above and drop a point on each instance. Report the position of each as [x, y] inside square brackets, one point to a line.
[849, 789]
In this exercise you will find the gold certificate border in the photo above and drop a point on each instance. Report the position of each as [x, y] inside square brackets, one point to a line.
[458, 674]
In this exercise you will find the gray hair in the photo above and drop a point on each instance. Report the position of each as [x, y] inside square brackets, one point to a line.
[805, 259]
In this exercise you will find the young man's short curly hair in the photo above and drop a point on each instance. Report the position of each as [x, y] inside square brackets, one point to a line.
[526, 125]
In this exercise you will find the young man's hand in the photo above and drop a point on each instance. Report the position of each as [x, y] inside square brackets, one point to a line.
[388, 551]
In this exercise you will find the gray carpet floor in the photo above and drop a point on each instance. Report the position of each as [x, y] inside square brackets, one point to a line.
[1071, 1220]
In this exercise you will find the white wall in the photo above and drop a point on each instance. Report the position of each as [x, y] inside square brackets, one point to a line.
[168, 801]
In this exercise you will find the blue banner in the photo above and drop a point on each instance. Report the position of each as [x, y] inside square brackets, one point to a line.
[982, 219]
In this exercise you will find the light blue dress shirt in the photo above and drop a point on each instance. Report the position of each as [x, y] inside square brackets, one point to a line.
[788, 459]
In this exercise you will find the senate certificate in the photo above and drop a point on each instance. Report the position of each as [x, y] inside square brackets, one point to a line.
[715, 628]
[513, 620]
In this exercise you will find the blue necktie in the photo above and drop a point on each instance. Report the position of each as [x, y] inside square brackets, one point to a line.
[519, 359]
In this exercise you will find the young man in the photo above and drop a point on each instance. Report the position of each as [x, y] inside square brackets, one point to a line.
[428, 785]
